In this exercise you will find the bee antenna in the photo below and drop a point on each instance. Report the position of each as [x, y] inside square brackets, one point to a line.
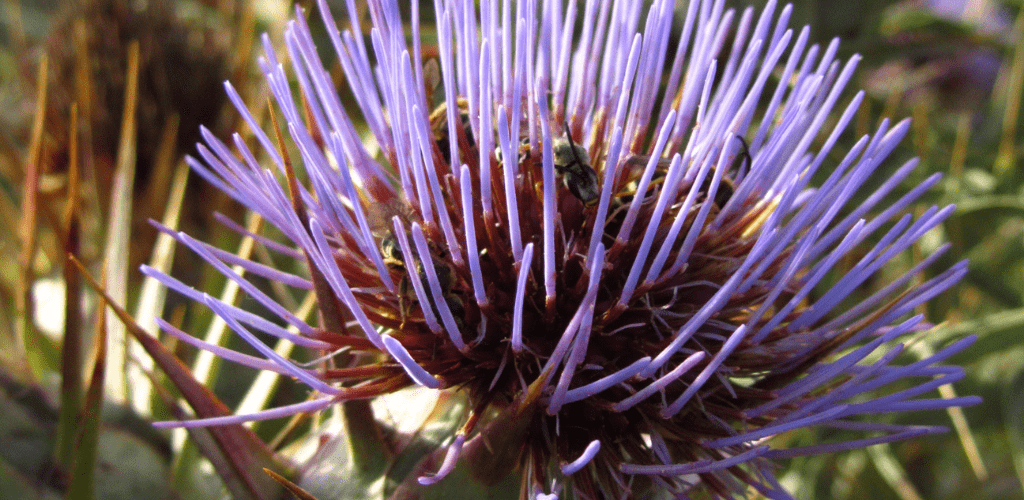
[572, 144]
[745, 151]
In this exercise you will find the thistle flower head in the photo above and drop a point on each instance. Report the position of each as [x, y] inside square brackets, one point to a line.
[607, 244]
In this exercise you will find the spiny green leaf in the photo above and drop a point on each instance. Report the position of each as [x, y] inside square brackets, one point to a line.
[244, 451]
[83, 472]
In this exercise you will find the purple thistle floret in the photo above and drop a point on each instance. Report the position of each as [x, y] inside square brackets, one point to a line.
[609, 246]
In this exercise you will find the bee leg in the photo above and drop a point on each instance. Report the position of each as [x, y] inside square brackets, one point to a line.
[583, 185]
[403, 305]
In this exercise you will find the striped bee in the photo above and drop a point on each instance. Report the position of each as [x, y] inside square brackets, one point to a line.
[573, 164]
[380, 216]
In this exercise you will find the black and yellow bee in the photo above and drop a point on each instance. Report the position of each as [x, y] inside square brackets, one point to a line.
[395, 260]
[573, 164]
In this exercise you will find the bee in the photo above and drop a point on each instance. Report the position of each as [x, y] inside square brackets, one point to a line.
[446, 278]
[438, 118]
[391, 252]
[724, 192]
[523, 154]
[726, 188]
[573, 163]
[380, 215]
[635, 164]
[439, 128]
[623, 199]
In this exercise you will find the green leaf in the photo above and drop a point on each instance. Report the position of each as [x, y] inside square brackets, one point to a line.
[16, 484]
[328, 468]
[26, 428]
[130, 468]
[243, 450]
[87, 439]
[990, 205]
[374, 456]
[439, 417]
[996, 332]
[460, 485]
[1014, 418]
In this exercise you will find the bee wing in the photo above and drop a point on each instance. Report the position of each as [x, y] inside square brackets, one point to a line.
[379, 215]
[432, 82]
[635, 165]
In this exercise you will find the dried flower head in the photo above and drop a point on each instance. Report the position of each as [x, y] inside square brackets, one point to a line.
[607, 245]
[181, 68]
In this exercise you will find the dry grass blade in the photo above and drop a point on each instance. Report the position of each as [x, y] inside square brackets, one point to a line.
[15, 26]
[119, 229]
[206, 363]
[963, 432]
[159, 187]
[153, 294]
[1006, 158]
[84, 96]
[893, 473]
[263, 388]
[290, 428]
[299, 493]
[242, 449]
[24, 329]
[169, 194]
[243, 51]
[923, 350]
[330, 310]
